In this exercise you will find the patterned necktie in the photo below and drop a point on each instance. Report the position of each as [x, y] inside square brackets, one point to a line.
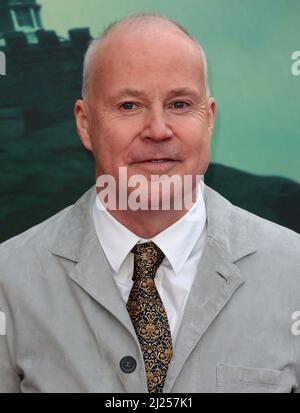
[148, 315]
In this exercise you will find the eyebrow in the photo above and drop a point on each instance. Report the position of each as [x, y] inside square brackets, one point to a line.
[173, 92]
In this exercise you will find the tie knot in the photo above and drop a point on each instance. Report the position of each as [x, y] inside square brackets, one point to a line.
[147, 258]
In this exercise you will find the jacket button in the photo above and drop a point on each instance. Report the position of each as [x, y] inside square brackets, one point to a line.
[128, 364]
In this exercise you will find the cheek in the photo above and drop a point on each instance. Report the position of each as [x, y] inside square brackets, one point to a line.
[112, 143]
[194, 138]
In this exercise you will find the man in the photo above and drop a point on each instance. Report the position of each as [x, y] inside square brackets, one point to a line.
[197, 299]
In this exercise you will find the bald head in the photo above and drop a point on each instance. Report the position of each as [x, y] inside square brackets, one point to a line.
[134, 28]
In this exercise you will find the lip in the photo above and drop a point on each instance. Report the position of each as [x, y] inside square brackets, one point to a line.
[156, 166]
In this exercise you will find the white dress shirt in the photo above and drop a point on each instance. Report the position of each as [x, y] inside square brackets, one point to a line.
[182, 243]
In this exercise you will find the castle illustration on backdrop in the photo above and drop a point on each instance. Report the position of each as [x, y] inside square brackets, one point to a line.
[43, 69]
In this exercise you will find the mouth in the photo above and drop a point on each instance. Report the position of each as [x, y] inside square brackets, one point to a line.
[156, 165]
[157, 160]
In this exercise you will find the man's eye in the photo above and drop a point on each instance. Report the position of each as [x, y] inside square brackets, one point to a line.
[180, 105]
[127, 105]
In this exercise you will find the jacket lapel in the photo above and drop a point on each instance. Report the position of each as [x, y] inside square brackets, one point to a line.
[214, 285]
[77, 241]
[217, 280]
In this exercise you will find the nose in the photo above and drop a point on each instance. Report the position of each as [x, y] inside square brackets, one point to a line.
[156, 126]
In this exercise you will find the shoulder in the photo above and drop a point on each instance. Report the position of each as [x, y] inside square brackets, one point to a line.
[238, 230]
[277, 253]
[31, 253]
[23, 250]
[269, 235]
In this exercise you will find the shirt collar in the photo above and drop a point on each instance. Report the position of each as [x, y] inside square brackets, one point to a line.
[176, 241]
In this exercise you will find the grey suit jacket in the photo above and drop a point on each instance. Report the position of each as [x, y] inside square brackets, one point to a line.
[67, 327]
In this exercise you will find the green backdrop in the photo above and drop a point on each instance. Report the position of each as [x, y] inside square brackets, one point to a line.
[249, 44]
[255, 147]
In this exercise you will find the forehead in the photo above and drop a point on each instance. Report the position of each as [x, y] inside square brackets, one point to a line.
[151, 58]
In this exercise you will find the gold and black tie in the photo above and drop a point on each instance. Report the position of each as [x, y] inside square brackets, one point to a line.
[148, 315]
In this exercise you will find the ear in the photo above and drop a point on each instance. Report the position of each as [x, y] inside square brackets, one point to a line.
[81, 115]
[211, 114]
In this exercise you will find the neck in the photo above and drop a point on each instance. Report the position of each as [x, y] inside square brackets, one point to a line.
[147, 224]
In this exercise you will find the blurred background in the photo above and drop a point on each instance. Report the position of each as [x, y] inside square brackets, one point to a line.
[249, 45]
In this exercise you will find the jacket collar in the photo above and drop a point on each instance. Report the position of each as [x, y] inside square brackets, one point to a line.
[223, 227]
[76, 229]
